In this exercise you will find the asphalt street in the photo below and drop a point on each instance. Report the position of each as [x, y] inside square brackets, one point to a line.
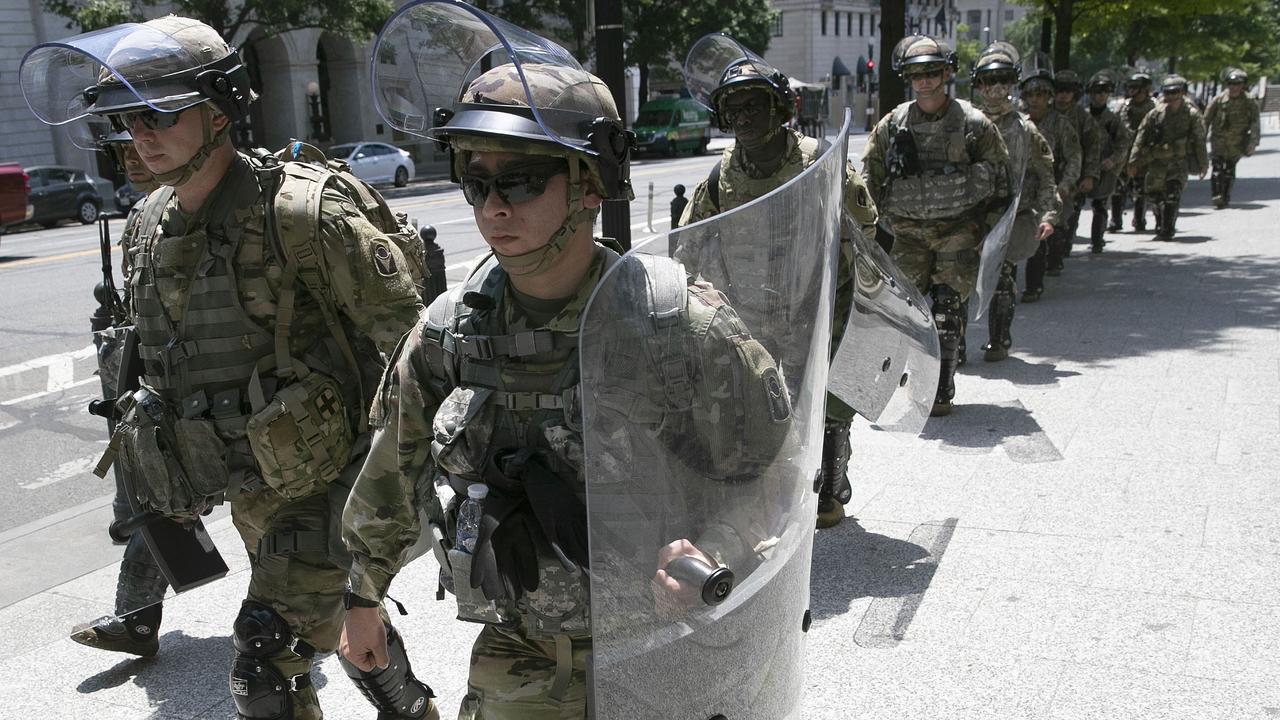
[1091, 534]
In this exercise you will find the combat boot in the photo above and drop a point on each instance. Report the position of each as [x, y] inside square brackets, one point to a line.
[1000, 318]
[1035, 274]
[1117, 213]
[1098, 228]
[1139, 214]
[950, 323]
[833, 482]
[942, 401]
[135, 634]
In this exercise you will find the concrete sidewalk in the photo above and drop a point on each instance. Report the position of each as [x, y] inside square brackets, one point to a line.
[1092, 534]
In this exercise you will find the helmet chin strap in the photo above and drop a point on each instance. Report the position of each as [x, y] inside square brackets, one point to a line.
[212, 141]
[538, 261]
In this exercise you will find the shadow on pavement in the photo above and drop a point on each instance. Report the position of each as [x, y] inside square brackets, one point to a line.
[13, 258]
[983, 426]
[1246, 190]
[1014, 369]
[850, 563]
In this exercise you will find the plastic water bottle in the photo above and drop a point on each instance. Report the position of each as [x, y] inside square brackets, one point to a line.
[469, 518]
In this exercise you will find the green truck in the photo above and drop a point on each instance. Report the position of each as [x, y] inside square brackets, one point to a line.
[671, 125]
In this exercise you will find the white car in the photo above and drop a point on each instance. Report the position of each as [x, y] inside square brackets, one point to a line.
[376, 162]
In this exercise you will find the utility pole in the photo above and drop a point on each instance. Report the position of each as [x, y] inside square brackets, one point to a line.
[893, 27]
[615, 215]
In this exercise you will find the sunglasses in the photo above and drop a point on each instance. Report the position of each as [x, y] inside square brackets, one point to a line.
[514, 186]
[151, 119]
[1237, 82]
[1005, 79]
[924, 74]
[751, 108]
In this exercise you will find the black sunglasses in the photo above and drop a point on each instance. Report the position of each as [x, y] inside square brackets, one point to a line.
[514, 185]
[996, 79]
[751, 108]
[923, 74]
[151, 119]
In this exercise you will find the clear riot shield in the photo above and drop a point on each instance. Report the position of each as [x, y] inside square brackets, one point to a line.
[701, 453]
[996, 244]
[886, 367]
[105, 70]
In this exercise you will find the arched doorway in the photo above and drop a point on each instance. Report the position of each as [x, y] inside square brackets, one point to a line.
[340, 73]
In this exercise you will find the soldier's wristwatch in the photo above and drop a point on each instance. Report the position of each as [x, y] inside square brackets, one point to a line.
[350, 600]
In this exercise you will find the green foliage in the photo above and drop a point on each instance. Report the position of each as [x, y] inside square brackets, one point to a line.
[356, 19]
[661, 31]
[967, 51]
[1198, 37]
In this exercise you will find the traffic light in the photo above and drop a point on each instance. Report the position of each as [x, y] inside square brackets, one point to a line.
[871, 66]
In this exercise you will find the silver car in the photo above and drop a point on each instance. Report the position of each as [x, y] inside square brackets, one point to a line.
[376, 162]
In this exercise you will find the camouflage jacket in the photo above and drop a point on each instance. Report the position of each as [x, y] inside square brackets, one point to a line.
[1039, 188]
[1092, 140]
[1168, 138]
[1115, 139]
[1234, 125]
[396, 489]
[741, 182]
[1065, 144]
[1133, 112]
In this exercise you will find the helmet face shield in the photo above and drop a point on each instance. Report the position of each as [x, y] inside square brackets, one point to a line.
[717, 62]
[429, 55]
[126, 67]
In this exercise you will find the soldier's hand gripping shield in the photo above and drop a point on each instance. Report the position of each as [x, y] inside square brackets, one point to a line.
[702, 442]
[126, 67]
[430, 51]
[995, 246]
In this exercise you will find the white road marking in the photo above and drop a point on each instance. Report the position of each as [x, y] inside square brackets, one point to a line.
[47, 361]
[35, 396]
[65, 471]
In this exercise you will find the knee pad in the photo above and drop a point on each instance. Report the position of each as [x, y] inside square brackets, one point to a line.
[259, 689]
[140, 582]
[393, 690]
[1172, 191]
[948, 316]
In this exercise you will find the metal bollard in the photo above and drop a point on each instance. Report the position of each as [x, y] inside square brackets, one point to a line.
[649, 219]
[433, 261]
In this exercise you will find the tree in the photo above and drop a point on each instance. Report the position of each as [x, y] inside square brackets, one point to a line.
[357, 19]
[658, 32]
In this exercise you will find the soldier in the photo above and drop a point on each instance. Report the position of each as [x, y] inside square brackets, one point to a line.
[995, 74]
[754, 101]
[1170, 140]
[1115, 139]
[1137, 104]
[260, 327]
[936, 167]
[1067, 89]
[1037, 89]
[1234, 125]
[484, 398]
[134, 628]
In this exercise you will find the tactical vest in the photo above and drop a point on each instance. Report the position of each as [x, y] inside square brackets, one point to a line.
[1134, 112]
[1169, 133]
[1013, 128]
[507, 390]
[203, 303]
[1049, 126]
[952, 181]
[735, 188]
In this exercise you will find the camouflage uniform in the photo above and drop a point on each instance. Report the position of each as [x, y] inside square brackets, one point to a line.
[1234, 126]
[486, 389]
[1067, 159]
[937, 203]
[1167, 145]
[1115, 141]
[261, 330]
[1030, 160]
[1132, 112]
[740, 182]
[1091, 144]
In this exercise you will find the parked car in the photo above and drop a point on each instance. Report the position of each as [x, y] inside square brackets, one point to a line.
[376, 162]
[59, 193]
[128, 196]
[15, 207]
[669, 125]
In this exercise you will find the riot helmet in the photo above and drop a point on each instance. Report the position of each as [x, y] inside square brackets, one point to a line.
[1235, 75]
[451, 72]
[150, 71]
[916, 54]
[718, 67]
[995, 75]
[119, 145]
[1102, 81]
[1173, 83]
[1067, 81]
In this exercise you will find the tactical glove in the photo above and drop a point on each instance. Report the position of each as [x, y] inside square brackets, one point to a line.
[505, 562]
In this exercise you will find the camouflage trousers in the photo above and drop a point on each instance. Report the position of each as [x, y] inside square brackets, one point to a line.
[939, 253]
[514, 677]
[305, 585]
[1164, 181]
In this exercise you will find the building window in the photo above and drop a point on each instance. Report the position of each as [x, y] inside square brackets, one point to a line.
[836, 17]
[873, 24]
[848, 24]
[1008, 16]
[776, 30]
[862, 25]
[824, 22]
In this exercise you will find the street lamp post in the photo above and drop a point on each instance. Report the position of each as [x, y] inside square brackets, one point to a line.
[313, 107]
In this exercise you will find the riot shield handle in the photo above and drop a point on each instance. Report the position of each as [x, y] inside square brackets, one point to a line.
[716, 583]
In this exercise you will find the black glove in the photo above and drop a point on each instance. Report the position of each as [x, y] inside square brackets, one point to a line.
[559, 511]
[505, 562]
